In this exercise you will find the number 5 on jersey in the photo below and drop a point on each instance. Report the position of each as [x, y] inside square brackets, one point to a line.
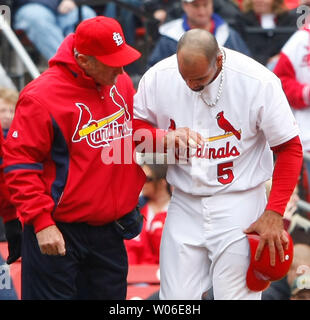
[225, 174]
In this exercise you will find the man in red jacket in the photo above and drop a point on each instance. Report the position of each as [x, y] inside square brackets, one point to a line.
[73, 203]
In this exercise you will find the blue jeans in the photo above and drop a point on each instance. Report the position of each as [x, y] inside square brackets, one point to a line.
[45, 28]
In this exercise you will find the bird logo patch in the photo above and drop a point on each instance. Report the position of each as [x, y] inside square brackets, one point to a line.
[220, 151]
[228, 128]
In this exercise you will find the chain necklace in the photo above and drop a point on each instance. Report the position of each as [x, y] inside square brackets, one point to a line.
[220, 89]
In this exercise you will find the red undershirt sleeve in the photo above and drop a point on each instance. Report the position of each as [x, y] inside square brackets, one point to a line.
[285, 175]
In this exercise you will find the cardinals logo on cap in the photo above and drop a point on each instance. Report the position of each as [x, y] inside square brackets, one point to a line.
[117, 38]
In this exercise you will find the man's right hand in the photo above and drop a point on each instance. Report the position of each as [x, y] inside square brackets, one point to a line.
[51, 241]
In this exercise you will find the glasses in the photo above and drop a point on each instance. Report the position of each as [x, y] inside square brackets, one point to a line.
[149, 179]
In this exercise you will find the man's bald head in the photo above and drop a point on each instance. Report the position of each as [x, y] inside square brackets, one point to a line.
[197, 42]
[199, 58]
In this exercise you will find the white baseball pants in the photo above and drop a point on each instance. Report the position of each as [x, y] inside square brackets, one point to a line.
[203, 245]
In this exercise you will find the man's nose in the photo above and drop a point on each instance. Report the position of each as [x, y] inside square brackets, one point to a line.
[201, 10]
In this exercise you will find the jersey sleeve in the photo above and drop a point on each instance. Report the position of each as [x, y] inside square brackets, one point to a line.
[26, 148]
[144, 100]
[275, 117]
[145, 120]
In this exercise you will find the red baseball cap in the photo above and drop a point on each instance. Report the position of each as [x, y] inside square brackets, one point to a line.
[103, 38]
[261, 273]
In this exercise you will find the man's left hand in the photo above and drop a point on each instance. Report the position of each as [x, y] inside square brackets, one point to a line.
[271, 231]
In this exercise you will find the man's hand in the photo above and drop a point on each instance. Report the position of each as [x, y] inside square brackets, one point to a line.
[51, 241]
[270, 228]
[182, 138]
[13, 234]
[66, 6]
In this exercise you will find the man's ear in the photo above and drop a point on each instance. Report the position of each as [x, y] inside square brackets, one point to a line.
[82, 59]
[219, 60]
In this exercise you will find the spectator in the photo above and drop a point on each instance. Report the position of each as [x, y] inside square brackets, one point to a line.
[198, 14]
[282, 289]
[301, 287]
[47, 22]
[8, 100]
[12, 226]
[76, 207]
[301, 262]
[265, 16]
[293, 68]
[145, 247]
[167, 10]
[11, 233]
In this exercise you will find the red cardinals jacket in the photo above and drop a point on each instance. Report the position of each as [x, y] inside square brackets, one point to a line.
[7, 210]
[57, 150]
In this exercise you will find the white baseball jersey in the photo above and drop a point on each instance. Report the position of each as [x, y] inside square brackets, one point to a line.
[251, 115]
[297, 51]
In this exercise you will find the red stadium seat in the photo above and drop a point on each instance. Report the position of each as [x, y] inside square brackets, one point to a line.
[143, 280]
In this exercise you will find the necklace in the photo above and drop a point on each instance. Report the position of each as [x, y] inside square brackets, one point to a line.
[220, 89]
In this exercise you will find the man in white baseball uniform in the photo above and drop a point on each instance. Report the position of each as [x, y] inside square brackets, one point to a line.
[226, 111]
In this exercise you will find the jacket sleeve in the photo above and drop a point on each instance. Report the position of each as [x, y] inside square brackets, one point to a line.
[147, 136]
[7, 210]
[26, 148]
[297, 93]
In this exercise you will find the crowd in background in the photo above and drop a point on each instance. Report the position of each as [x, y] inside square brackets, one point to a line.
[266, 30]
